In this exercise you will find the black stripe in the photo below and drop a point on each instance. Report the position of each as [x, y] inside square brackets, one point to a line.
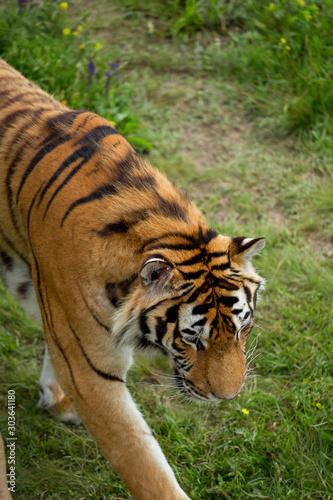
[253, 281]
[201, 322]
[10, 119]
[194, 275]
[195, 240]
[202, 308]
[23, 288]
[55, 131]
[255, 298]
[176, 347]
[172, 313]
[38, 157]
[220, 267]
[174, 246]
[4, 92]
[193, 297]
[49, 138]
[21, 132]
[186, 292]
[193, 260]
[94, 315]
[13, 247]
[10, 172]
[143, 323]
[116, 227]
[106, 190]
[47, 313]
[186, 286]
[97, 134]
[190, 332]
[225, 285]
[107, 376]
[50, 327]
[125, 224]
[18, 97]
[161, 329]
[6, 260]
[185, 237]
[112, 294]
[228, 301]
[63, 121]
[170, 208]
[248, 294]
[63, 184]
[217, 254]
[209, 235]
[125, 284]
[192, 384]
[85, 152]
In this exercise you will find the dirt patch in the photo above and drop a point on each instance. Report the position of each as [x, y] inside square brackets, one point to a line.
[321, 247]
[211, 146]
[278, 218]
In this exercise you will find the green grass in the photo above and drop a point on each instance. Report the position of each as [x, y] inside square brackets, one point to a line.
[280, 50]
[247, 183]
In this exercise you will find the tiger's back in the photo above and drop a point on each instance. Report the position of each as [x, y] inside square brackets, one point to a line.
[120, 261]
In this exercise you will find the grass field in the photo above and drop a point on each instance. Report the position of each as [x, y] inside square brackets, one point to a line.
[275, 440]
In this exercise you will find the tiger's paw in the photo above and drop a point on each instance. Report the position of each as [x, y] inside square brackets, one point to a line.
[52, 399]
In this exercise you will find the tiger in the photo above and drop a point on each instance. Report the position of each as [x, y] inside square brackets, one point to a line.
[113, 259]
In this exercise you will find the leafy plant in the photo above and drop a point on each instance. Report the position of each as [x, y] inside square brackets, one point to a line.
[37, 40]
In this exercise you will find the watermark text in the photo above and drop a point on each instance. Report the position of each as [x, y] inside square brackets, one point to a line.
[11, 442]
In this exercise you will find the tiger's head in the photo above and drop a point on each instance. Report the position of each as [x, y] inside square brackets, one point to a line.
[195, 301]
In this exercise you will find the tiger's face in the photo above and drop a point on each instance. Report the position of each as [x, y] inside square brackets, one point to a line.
[199, 309]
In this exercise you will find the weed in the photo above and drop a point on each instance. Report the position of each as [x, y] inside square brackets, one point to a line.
[40, 41]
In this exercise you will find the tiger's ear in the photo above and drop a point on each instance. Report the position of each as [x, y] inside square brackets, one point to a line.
[246, 248]
[155, 272]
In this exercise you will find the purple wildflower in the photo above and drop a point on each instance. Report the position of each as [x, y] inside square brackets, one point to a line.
[108, 75]
[91, 70]
[115, 65]
[113, 72]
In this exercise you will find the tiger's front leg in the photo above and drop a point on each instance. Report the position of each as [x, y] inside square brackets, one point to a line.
[106, 407]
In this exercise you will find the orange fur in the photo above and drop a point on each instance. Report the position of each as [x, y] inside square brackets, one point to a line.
[121, 260]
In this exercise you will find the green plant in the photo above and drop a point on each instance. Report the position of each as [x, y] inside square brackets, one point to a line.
[37, 40]
[284, 49]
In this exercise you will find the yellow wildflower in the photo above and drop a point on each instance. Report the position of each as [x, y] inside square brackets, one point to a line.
[98, 46]
[79, 28]
[66, 31]
[64, 5]
[75, 33]
[65, 102]
[301, 3]
[283, 40]
[81, 46]
[288, 47]
[318, 405]
[245, 411]
[112, 123]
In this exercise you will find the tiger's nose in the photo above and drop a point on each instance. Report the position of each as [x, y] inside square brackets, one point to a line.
[212, 397]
